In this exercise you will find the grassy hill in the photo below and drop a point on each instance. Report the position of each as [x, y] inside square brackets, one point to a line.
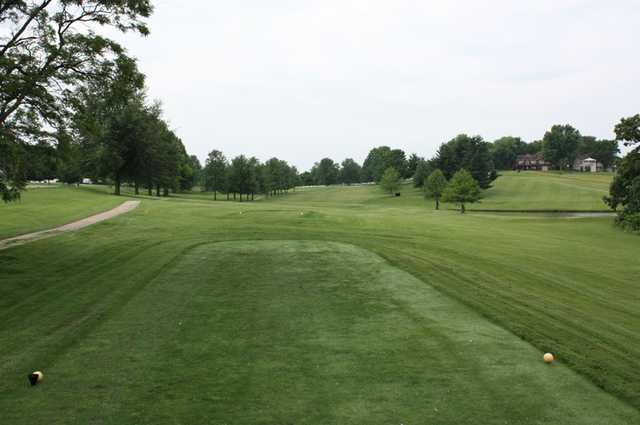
[548, 191]
[337, 305]
[528, 191]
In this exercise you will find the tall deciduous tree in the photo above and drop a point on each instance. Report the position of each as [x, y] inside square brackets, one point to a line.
[196, 170]
[390, 181]
[628, 130]
[238, 171]
[505, 150]
[624, 192]
[110, 120]
[326, 172]
[435, 185]
[50, 47]
[380, 159]
[560, 146]
[215, 173]
[423, 169]
[462, 189]
[470, 153]
[350, 172]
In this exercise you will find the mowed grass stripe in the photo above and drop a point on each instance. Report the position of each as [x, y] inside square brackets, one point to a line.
[312, 332]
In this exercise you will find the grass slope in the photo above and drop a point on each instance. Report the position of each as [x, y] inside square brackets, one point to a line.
[548, 191]
[280, 332]
[46, 207]
[530, 191]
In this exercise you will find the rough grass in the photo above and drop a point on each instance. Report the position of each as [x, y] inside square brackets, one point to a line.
[50, 206]
[99, 311]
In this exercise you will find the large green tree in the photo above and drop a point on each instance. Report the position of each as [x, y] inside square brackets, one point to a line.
[560, 146]
[215, 174]
[505, 150]
[382, 158]
[435, 185]
[628, 130]
[111, 122]
[624, 193]
[196, 170]
[390, 181]
[350, 172]
[422, 171]
[50, 46]
[470, 153]
[326, 172]
[462, 189]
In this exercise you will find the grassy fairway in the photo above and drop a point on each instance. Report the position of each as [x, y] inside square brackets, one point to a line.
[45, 207]
[413, 317]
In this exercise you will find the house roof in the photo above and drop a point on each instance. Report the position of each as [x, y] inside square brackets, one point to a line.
[530, 157]
[581, 158]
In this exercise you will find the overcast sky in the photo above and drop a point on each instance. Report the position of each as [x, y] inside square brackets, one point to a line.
[302, 80]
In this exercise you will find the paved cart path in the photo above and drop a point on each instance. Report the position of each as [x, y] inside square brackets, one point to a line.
[70, 227]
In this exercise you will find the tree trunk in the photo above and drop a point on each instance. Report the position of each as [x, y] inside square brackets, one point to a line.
[150, 190]
[437, 203]
[215, 193]
[117, 185]
[252, 196]
[136, 188]
[157, 190]
[227, 196]
[462, 209]
[234, 196]
[165, 191]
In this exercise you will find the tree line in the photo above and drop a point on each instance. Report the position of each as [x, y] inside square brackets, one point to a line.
[247, 176]
[560, 146]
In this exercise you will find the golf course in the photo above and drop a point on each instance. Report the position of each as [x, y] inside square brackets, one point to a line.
[326, 305]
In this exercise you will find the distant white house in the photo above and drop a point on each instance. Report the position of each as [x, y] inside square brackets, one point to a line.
[586, 163]
[87, 181]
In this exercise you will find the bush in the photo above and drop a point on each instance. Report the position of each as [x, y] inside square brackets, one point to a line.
[629, 221]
